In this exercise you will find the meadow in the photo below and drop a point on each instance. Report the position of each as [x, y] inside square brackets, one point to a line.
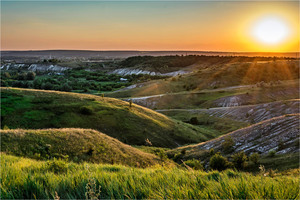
[30, 179]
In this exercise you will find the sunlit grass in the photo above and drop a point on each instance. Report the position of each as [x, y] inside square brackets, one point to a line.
[38, 180]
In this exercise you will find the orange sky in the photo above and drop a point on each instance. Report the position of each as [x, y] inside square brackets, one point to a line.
[204, 26]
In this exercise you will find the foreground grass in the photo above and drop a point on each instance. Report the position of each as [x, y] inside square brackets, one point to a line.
[24, 178]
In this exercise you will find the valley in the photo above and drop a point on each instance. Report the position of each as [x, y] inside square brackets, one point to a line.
[150, 120]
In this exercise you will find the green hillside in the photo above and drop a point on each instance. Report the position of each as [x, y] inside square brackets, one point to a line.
[73, 144]
[36, 109]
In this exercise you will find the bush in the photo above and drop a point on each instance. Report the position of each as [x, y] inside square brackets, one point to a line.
[86, 110]
[272, 153]
[228, 145]
[212, 152]
[65, 87]
[218, 162]
[194, 121]
[30, 76]
[183, 151]
[195, 164]
[240, 160]
[254, 158]
[162, 155]
[57, 166]
[47, 86]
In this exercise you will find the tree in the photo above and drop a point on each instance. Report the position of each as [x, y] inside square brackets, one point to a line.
[239, 160]
[37, 83]
[7, 75]
[254, 158]
[65, 87]
[30, 76]
[47, 86]
[228, 144]
[218, 162]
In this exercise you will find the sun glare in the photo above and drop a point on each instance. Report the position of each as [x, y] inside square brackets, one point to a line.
[270, 30]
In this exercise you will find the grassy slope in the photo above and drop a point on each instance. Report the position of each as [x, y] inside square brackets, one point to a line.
[216, 125]
[227, 74]
[36, 109]
[29, 179]
[279, 134]
[76, 144]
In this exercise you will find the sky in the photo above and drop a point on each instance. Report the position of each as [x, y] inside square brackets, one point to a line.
[146, 25]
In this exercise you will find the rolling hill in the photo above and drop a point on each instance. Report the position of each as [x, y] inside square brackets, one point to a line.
[248, 113]
[36, 109]
[75, 144]
[219, 74]
[279, 134]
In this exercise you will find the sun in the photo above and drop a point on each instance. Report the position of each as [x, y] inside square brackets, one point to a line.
[270, 30]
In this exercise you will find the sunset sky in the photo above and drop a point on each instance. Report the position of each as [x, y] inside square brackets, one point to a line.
[150, 25]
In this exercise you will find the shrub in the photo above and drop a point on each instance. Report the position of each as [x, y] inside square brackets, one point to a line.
[30, 76]
[65, 87]
[47, 86]
[7, 75]
[162, 155]
[218, 162]
[57, 166]
[272, 153]
[280, 145]
[195, 164]
[86, 110]
[183, 151]
[212, 152]
[228, 144]
[177, 157]
[254, 158]
[239, 160]
[194, 121]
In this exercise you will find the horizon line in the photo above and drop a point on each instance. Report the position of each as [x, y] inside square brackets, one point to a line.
[210, 51]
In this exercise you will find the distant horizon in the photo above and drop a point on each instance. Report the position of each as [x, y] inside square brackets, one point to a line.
[129, 50]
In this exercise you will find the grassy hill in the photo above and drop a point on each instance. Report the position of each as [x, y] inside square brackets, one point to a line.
[225, 97]
[75, 144]
[279, 134]
[36, 109]
[218, 75]
[30, 179]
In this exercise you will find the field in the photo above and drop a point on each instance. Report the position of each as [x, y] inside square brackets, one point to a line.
[30, 179]
[179, 127]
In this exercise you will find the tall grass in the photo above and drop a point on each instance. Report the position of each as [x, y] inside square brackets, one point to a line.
[24, 178]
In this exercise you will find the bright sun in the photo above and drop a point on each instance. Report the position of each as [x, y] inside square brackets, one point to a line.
[270, 30]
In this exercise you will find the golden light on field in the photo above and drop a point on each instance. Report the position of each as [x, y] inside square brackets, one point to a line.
[270, 30]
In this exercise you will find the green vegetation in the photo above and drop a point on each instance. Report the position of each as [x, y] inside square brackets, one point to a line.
[76, 80]
[29, 179]
[76, 145]
[219, 74]
[218, 162]
[36, 109]
[228, 145]
[215, 126]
